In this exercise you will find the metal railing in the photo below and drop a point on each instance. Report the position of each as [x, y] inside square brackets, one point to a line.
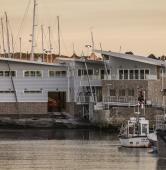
[120, 99]
[161, 122]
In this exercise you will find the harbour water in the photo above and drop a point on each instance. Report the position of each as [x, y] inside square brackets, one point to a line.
[71, 150]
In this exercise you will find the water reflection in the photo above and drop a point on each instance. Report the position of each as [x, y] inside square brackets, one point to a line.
[161, 164]
[70, 150]
[59, 134]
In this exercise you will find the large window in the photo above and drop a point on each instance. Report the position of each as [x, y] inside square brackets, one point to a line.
[122, 92]
[142, 74]
[131, 75]
[33, 73]
[7, 73]
[135, 74]
[126, 74]
[54, 73]
[130, 92]
[112, 92]
[84, 72]
[120, 74]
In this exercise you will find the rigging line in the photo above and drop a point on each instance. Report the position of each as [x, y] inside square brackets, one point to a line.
[22, 21]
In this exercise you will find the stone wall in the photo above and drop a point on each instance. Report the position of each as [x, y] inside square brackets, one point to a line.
[23, 108]
[120, 114]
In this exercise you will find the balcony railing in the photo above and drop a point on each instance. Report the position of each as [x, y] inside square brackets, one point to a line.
[120, 100]
[161, 122]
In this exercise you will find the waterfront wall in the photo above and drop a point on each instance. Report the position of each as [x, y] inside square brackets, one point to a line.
[23, 108]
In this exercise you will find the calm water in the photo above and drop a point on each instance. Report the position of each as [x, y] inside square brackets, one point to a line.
[70, 150]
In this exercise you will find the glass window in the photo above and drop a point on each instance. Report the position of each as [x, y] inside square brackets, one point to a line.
[144, 128]
[58, 73]
[122, 92]
[38, 73]
[1, 73]
[120, 74]
[112, 92]
[32, 73]
[136, 74]
[7, 74]
[130, 92]
[32, 91]
[131, 74]
[13, 73]
[51, 73]
[26, 73]
[142, 74]
[146, 74]
[63, 73]
[126, 74]
[79, 72]
[90, 72]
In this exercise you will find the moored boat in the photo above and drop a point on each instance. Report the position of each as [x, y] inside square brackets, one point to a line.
[152, 137]
[134, 133]
[161, 135]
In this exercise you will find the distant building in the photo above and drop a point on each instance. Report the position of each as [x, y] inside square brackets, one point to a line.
[133, 78]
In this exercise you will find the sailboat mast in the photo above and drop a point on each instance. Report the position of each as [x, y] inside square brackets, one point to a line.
[59, 40]
[20, 47]
[3, 42]
[49, 31]
[33, 31]
[7, 34]
[42, 43]
[92, 39]
[12, 46]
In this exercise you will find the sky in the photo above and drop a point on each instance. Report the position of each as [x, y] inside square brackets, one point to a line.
[119, 25]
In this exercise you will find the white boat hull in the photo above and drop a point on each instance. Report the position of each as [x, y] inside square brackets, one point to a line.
[135, 142]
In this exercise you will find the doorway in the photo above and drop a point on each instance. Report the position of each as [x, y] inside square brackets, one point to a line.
[56, 101]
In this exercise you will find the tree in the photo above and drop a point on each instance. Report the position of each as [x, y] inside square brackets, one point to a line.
[129, 52]
[152, 56]
[163, 57]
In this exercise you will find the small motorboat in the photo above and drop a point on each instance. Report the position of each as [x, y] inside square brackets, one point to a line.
[152, 137]
[134, 133]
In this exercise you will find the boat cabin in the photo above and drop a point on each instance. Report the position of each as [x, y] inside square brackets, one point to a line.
[137, 127]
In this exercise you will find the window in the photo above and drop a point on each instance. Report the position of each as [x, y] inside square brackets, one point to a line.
[125, 74]
[6, 91]
[131, 75]
[79, 72]
[121, 74]
[90, 72]
[7, 73]
[33, 73]
[32, 91]
[146, 74]
[130, 92]
[54, 73]
[112, 92]
[136, 74]
[122, 92]
[142, 74]
[144, 128]
[51, 73]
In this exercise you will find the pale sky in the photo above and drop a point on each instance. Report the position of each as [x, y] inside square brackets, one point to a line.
[135, 25]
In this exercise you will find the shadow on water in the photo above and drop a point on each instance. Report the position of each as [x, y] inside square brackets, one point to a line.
[58, 134]
[161, 164]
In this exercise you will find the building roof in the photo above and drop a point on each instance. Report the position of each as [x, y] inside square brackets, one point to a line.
[133, 57]
[80, 60]
[31, 62]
